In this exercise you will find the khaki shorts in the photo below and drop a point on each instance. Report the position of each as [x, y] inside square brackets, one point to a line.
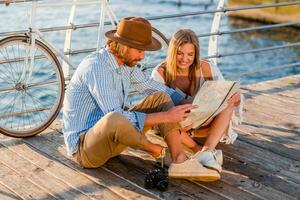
[114, 132]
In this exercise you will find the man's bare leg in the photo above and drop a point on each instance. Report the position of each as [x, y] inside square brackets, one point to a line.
[173, 140]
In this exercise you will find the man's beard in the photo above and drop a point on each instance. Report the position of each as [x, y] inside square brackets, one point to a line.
[129, 62]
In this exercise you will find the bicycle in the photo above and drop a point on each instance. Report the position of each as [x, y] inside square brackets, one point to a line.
[32, 81]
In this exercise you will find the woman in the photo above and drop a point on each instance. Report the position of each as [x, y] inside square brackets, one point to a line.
[184, 71]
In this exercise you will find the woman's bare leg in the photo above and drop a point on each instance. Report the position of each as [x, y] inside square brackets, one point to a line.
[189, 142]
[218, 128]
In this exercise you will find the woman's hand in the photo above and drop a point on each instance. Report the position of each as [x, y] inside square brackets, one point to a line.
[235, 99]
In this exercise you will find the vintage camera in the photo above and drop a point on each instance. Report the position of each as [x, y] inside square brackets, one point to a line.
[156, 178]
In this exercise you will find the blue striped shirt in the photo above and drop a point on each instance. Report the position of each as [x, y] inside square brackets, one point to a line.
[99, 86]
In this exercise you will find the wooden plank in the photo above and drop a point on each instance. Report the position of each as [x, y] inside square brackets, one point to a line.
[60, 171]
[7, 194]
[287, 88]
[20, 185]
[284, 88]
[266, 138]
[275, 164]
[276, 96]
[263, 176]
[280, 104]
[284, 83]
[129, 174]
[232, 185]
[272, 120]
[282, 132]
[245, 183]
[257, 140]
[279, 135]
[219, 187]
[39, 176]
[248, 185]
[134, 168]
[117, 184]
[241, 181]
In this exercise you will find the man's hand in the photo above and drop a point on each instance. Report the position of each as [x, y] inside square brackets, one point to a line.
[179, 113]
[235, 99]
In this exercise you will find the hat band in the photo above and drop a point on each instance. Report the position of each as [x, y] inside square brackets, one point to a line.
[133, 41]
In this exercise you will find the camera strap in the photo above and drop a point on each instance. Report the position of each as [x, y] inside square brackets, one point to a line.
[162, 156]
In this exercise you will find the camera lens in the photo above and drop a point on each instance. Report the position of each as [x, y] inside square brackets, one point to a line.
[162, 185]
[156, 179]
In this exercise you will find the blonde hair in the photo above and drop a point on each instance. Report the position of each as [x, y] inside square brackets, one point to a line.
[183, 36]
[118, 49]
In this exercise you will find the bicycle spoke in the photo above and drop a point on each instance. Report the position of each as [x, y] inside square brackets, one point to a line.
[31, 95]
[11, 68]
[39, 101]
[22, 61]
[32, 68]
[32, 98]
[49, 103]
[12, 81]
[22, 99]
[16, 65]
[14, 102]
[4, 97]
[29, 117]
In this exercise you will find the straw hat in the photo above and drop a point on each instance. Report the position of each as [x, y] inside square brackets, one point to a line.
[135, 32]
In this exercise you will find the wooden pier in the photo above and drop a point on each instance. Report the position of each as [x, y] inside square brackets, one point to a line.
[264, 163]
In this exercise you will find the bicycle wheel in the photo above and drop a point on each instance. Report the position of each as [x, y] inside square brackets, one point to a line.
[150, 56]
[30, 97]
[160, 37]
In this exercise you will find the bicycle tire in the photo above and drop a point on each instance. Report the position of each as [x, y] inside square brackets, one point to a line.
[36, 100]
[146, 63]
[160, 37]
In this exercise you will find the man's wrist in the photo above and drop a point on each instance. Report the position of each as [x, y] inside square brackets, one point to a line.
[165, 117]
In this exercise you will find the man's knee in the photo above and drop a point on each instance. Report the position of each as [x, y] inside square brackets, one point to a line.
[115, 119]
[110, 123]
[163, 96]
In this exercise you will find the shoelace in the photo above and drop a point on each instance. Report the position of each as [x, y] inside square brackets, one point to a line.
[214, 152]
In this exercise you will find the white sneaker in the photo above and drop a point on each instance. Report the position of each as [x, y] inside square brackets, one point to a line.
[208, 159]
[218, 154]
[191, 169]
[167, 159]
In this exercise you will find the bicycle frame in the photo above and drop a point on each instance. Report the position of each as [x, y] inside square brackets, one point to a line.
[33, 30]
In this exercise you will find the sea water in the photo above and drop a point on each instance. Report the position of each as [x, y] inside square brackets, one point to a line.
[16, 17]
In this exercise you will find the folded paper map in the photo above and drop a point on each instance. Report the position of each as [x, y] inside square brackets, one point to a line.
[211, 99]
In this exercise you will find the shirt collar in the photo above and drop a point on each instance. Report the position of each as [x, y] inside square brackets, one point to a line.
[112, 60]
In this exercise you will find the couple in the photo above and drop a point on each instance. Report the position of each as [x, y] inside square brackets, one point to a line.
[97, 124]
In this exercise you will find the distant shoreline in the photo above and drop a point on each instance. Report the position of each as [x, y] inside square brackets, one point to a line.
[269, 15]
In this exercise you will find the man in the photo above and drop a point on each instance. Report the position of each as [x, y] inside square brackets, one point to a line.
[96, 124]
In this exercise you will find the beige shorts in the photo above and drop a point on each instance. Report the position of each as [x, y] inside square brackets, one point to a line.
[114, 132]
